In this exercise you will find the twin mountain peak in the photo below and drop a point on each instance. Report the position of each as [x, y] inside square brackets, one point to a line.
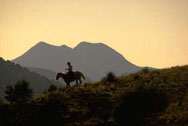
[81, 45]
[95, 60]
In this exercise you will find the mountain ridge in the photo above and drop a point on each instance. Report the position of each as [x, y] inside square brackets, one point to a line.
[10, 73]
[93, 59]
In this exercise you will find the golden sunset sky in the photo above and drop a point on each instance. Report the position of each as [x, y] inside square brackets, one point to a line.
[146, 32]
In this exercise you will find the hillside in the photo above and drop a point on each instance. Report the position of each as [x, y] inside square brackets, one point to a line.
[157, 98]
[10, 73]
[51, 75]
[94, 60]
[103, 97]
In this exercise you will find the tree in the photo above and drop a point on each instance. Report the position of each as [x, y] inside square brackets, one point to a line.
[19, 93]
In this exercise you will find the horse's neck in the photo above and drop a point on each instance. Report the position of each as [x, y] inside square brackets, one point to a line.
[63, 75]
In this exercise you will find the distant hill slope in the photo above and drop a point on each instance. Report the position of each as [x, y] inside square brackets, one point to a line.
[51, 75]
[11, 73]
[94, 60]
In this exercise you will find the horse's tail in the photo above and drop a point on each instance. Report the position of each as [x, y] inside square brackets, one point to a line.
[82, 76]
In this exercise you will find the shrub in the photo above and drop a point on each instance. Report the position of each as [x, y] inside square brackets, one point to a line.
[145, 70]
[52, 88]
[53, 109]
[140, 103]
[1, 101]
[110, 77]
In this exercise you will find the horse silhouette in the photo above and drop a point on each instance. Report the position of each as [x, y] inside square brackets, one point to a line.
[70, 78]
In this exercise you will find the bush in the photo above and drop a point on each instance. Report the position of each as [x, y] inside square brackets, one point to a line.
[110, 77]
[145, 70]
[52, 88]
[53, 109]
[46, 110]
[19, 93]
[139, 104]
[1, 101]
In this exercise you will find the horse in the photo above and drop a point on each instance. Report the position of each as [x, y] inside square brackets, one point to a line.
[67, 78]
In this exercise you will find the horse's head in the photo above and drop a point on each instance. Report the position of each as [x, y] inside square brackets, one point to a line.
[60, 75]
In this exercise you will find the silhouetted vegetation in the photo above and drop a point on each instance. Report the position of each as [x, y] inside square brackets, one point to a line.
[1, 101]
[52, 88]
[19, 93]
[52, 110]
[145, 70]
[156, 98]
[139, 104]
[110, 77]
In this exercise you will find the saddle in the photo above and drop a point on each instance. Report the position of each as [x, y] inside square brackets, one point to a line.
[70, 74]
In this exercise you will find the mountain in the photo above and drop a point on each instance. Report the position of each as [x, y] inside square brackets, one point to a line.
[94, 60]
[10, 73]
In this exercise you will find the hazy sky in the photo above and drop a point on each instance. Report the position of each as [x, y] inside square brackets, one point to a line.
[147, 32]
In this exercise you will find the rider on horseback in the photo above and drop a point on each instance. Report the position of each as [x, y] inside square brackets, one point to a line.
[69, 67]
[70, 73]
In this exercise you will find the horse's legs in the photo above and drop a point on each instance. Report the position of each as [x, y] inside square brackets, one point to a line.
[76, 82]
[67, 85]
[80, 81]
